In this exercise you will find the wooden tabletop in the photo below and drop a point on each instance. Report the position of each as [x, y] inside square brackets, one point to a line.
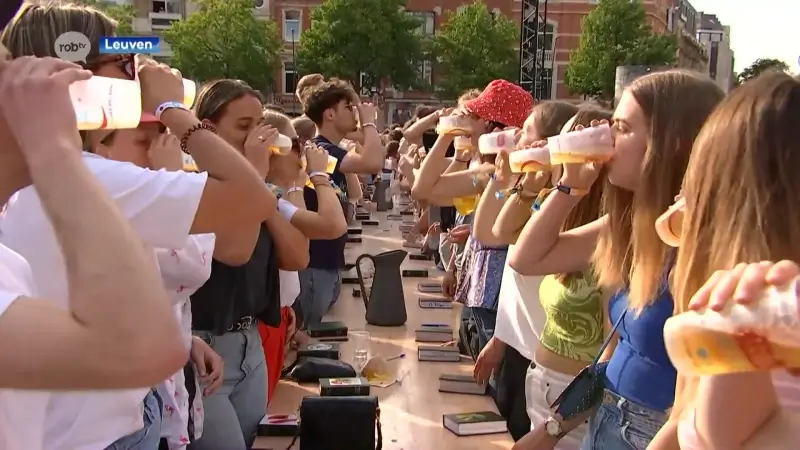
[411, 411]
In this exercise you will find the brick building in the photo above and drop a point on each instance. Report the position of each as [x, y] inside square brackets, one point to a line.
[564, 18]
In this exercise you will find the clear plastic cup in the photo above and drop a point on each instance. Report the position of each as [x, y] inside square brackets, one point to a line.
[529, 160]
[492, 143]
[592, 144]
[282, 145]
[454, 125]
[331, 164]
[189, 92]
[106, 103]
[463, 144]
[362, 348]
[670, 224]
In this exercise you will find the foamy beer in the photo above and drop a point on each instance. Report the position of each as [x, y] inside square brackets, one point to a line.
[761, 336]
[188, 163]
[670, 224]
[331, 164]
[282, 145]
[591, 144]
[525, 160]
[462, 144]
[492, 143]
[454, 125]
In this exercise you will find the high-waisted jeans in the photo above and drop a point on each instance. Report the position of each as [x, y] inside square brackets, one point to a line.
[622, 425]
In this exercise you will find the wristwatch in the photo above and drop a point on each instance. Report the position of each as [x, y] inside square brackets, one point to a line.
[553, 427]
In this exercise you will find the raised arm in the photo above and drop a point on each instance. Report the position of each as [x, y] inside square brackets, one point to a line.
[120, 330]
[234, 194]
[371, 159]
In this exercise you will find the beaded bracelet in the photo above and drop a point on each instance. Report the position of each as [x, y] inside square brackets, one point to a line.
[190, 131]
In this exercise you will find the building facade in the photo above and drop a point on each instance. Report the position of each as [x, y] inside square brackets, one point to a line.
[684, 20]
[716, 38]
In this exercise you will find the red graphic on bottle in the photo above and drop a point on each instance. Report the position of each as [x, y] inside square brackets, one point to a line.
[757, 349]
[501, 140]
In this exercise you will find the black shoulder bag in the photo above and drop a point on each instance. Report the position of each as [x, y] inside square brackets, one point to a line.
[585, 391]
[339, 423]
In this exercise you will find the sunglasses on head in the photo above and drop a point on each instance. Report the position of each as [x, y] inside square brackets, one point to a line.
[126, 63]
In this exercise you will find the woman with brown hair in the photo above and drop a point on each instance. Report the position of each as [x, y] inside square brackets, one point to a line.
[653, 130]
[741, 197]
[573, 328]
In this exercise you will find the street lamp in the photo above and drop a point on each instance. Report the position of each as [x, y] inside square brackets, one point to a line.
[294, 74]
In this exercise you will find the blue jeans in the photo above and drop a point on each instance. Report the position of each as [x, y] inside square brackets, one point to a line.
[622, 425]
[485, 320]
[149, 436]
[233, 412]
[319, 290]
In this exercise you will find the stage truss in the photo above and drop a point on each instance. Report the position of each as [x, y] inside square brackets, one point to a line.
[535, 61]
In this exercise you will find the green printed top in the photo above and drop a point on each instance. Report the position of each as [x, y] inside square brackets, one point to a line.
[574, 328]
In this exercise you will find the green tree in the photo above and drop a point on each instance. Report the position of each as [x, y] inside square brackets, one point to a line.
[615, 33]
[376, 37]
[123, 14]
[224, 40]
[760, 66]
[474, 47]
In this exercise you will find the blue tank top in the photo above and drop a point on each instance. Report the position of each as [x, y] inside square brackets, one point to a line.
[640, 369]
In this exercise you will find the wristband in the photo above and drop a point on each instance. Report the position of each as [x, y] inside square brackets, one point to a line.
[168, 105]
[294, 189]
[287, 209]
[369, 124]
[319, 174]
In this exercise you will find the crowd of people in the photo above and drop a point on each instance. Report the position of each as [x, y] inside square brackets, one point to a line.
[164, 299]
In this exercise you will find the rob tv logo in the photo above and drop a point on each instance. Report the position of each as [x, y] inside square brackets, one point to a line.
[130, 44]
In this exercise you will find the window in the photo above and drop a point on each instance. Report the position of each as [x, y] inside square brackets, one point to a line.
[426, 19]
[291, 25]
[545, 40]
[289, 77]
[544, 84]
[425, 69]
[258, 4]
[166, 6]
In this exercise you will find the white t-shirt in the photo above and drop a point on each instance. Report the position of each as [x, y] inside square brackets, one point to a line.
[161, 206]
[290, 287]
[22, 413]
[520, 316]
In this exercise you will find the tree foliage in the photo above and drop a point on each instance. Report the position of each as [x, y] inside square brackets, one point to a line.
[615, 33]
[474, 47]
[376, 37]
[122, 13]
[760, 66]
[224, 40]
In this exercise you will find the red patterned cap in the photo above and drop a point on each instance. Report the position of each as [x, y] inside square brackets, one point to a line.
[503, 102]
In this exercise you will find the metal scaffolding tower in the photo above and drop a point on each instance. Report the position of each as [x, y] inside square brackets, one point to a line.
[534, 76]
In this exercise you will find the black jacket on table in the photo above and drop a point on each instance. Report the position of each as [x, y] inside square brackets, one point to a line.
[232, 293]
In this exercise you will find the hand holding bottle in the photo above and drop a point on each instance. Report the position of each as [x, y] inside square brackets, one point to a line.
[502, 170]
[743, 284]
[257, 147]
[316, 159]
[160, 83]
[35, 97]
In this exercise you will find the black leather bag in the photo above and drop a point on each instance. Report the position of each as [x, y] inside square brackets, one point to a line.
[585, 391]
[309, 369]
[339, 423]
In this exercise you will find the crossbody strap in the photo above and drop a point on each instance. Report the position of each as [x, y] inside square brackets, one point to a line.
[608, 339]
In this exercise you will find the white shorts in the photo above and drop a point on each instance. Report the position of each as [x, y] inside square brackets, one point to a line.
[542, 388]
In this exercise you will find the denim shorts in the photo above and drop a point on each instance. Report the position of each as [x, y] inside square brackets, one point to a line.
[622, 425]
[149, 436]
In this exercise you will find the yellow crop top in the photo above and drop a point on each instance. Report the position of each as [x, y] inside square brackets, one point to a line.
[575, 319]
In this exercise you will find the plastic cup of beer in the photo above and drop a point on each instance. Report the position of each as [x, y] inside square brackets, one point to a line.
[526, 160]
[592, 144]
[454, 126]
[463, 144]
[282, 145]
[670, 224]
[331, 164]
[492, 143]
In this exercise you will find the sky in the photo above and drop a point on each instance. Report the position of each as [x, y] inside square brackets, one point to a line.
[759, 29]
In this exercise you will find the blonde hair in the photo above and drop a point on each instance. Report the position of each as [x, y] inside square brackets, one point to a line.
[305, 84]
[675, 104]
[468, 95]
[34, 29]
[306, 128]
[741, 188]
[277, 120]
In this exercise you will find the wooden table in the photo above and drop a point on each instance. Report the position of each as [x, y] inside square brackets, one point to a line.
[411, 411]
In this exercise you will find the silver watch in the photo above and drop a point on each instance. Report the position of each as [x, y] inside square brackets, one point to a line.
[553, 427]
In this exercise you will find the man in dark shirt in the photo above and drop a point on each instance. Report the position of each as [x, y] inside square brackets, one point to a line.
[333, 106]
